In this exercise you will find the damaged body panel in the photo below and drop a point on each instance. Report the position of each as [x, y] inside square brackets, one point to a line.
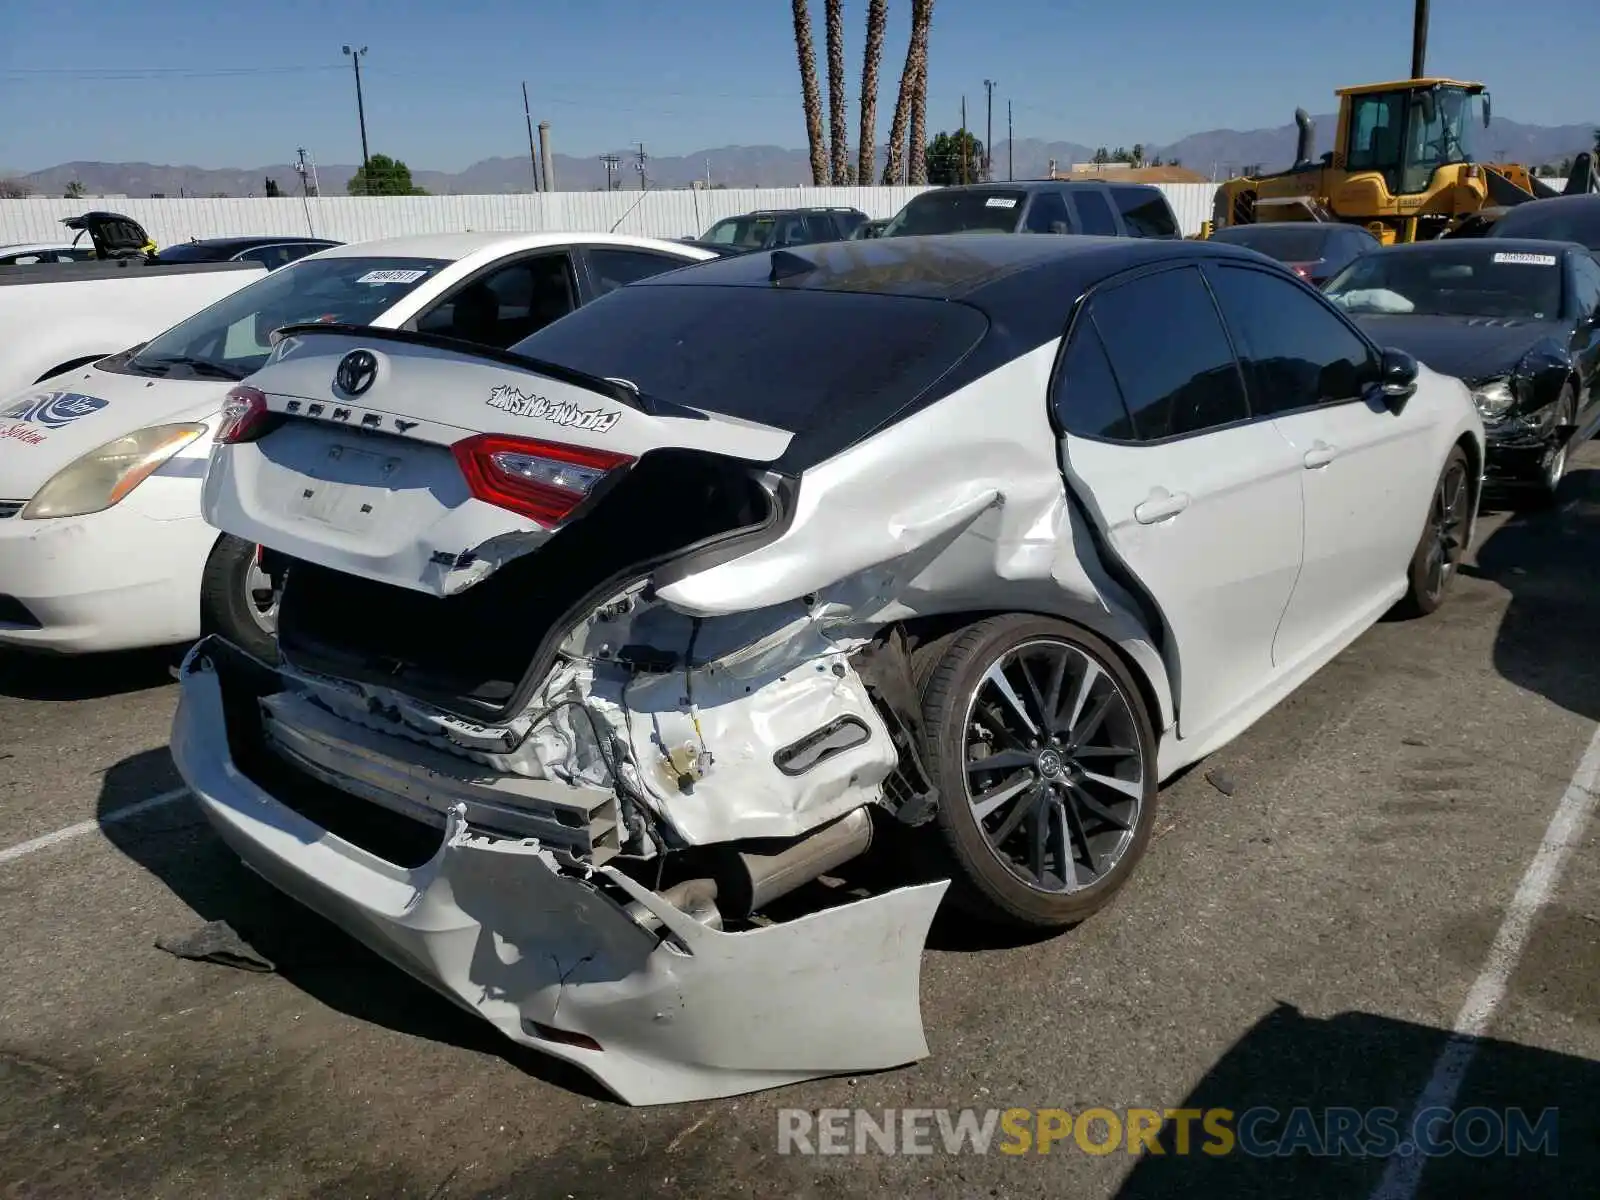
[612, 665]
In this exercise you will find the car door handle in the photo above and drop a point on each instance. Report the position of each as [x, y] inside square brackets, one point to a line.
[1320, 455]
[1161, 506]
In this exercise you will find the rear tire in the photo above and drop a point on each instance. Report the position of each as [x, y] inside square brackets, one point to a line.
[228, 606]
[1047, 835]
[1444, 538]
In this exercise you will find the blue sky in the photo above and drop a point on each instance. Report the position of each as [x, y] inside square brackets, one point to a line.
[240, 85]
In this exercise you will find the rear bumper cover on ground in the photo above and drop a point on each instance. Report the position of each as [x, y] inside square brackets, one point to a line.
[498, 926]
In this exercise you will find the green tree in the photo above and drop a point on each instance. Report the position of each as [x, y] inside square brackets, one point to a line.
[272, 187]
[1101, 157]
[75, 190]
[1137, 158]
[948, 153]
[383, 176]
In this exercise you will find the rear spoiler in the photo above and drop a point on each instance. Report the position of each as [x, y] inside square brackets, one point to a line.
[612, 389]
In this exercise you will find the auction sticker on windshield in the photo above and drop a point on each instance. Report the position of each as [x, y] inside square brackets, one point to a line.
[391, 277]
[1000, 202]
[1532, 260]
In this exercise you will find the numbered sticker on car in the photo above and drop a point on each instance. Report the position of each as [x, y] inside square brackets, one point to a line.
[1530, 260]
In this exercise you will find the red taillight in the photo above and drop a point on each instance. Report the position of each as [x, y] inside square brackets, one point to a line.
[244, 416]
[542, 480]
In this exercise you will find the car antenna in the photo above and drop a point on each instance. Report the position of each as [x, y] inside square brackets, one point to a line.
[786, 264]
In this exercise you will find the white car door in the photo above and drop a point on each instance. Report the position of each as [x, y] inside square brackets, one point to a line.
[1200, 503]
[1367, 472]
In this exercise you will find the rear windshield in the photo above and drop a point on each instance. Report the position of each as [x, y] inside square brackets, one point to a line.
[1285, 241]
[1452, 279]
[229, 340]
[971, 210]
[1557, 223]
[828, 366]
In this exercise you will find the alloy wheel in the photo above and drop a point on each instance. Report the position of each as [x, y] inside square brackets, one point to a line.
[1054, 771]
[261, 598]
[1447, 527]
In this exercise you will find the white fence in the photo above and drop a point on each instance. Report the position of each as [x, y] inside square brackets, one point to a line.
[658, 213]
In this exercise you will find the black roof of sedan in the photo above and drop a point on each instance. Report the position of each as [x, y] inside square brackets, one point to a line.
[951, 266]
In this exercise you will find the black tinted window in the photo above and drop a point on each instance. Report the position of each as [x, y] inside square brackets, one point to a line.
[1170, 354]
[1094, 213]
[792, 359]
[959, 210]
[611, 269]
[1086, 398]
[507, 305]
[1048, 214]
[1145, 212]
[820, 228]
[1295, 352]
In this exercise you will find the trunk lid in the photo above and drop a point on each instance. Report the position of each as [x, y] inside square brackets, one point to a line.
[426, 464]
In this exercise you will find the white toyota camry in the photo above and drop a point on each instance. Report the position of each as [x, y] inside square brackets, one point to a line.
[102, 546]
[596, 651]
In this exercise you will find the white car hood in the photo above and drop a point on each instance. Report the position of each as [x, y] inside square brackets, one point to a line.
[48, 425]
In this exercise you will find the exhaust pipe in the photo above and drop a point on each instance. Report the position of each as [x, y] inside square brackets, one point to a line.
[1307, 141]
[749, 880]
[762, 878]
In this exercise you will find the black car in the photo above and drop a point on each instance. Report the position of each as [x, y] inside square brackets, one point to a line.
[1559, 219]
[271, 252]
[1517, 320]
[775, 228]
[870, 229]
[1039, 206]
[1314, 250]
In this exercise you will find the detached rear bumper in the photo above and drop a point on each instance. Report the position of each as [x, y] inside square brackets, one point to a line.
[539, 950]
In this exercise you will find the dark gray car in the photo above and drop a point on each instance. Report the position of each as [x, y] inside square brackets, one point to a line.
[1039, 206]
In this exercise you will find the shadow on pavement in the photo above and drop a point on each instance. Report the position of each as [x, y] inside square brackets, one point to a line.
[176, 845]
[89, 677]
[1360, 1062]
[1550, 564]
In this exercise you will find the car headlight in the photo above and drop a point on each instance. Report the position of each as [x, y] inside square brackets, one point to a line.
[105, 475]
[1494, 399]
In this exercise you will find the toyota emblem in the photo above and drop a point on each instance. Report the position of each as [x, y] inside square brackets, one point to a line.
[356, 372]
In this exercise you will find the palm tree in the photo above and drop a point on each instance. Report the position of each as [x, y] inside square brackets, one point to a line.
[838, 131]
[810, 94]
[877, 21]
[921, 19]
[913, 82]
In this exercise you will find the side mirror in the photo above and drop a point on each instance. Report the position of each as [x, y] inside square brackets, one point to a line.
[1397, 379]
[1486, 110]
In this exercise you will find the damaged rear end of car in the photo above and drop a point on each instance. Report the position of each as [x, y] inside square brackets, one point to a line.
[494, 752]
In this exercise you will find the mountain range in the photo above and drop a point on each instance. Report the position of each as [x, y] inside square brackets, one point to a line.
[1215, 152]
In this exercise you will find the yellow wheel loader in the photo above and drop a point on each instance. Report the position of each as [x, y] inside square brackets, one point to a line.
[1402, 164]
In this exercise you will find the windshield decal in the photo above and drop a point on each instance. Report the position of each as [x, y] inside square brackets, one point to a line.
[511, 400]
[391, 277]
[1532, 260]
[53, 409]
[1000, 202]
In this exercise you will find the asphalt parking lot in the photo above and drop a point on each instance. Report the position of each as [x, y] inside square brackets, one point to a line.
[1320, 900]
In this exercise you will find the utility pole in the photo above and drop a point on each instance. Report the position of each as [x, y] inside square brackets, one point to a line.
[1010, 141]
[640, 158]
[965, 142]
[533, 155]
[612, 163]
[361, 115]
[988, 134]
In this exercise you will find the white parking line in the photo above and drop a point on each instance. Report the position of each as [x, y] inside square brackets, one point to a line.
[1403, 1175]
[44, 842]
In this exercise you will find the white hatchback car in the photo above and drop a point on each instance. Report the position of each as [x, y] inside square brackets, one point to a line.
[102, 546]
[595, 651]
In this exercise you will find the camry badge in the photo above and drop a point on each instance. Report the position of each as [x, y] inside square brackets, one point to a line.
[356, 372]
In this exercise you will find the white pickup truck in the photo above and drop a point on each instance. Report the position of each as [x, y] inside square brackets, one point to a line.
[57, 316]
